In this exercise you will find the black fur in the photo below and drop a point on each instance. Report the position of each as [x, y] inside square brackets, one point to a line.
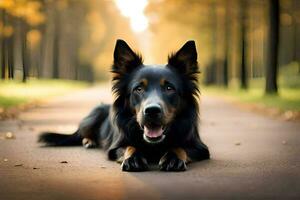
[117, 126]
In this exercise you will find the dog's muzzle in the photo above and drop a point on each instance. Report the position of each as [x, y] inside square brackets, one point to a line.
[153, 128]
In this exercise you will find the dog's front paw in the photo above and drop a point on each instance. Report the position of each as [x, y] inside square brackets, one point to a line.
[170, 162]
[135, 163]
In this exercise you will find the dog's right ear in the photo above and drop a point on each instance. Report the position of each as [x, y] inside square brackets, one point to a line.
[125, 59]
[185, 59]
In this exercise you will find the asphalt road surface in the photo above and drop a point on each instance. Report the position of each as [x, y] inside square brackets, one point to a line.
[253, 157]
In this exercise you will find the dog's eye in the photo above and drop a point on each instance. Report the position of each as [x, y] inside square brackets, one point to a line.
[139, 89]
[170, 89]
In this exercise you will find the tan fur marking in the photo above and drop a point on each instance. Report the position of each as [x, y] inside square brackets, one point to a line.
[129, 151]
[162, 81]
[139, 114]
[144, 82]
[115, 75]
[181, 154]
[86, 141]
[170, 113]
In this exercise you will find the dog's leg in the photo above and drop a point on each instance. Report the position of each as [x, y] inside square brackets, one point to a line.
[88, 143]
[198, 151]
[133, 160]
[174, 160]
[89, 127]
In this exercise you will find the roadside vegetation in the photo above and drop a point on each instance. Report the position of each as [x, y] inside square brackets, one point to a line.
[15, 95]
[286, 102]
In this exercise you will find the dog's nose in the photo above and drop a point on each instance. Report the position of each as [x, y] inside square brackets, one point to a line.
[152, 110]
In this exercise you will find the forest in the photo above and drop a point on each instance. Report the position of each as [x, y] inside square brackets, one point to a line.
[239, 42]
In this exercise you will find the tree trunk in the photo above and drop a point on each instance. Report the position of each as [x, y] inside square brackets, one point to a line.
[10, 58]
[243, 72]
[273, 35]
[56, 50]
[210, 77]
[3, 58]
[225, 64]
[47, 43]
[243, 69]
[10, 50]
[3, 49]
[24, 51]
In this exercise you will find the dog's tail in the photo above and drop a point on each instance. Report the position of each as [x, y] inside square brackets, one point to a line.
[58, 139]
[88, 128]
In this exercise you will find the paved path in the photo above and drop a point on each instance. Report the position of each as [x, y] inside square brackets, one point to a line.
[253, 157]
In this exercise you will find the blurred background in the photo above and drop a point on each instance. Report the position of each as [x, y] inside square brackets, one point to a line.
[246, 48]
[56, 55]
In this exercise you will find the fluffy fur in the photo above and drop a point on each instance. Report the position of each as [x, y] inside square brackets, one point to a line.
[154, 116]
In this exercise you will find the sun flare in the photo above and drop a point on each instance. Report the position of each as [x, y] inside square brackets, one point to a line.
[134, 10]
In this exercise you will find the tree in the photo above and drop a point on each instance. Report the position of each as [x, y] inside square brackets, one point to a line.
[243, 69]
[211, 69]
[272, 58]
[226, 53]
[24, 51]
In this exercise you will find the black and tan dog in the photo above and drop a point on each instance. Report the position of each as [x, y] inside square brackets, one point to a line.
[154, 116]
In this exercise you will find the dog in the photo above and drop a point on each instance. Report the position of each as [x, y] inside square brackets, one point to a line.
[154, 118]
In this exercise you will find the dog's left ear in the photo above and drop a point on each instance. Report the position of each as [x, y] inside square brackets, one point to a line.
[185, 59]
[125, 59]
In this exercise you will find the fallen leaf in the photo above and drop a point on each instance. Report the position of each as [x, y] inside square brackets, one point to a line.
[237, 143]
[9, 135]
[212, 123]
[64, 161]
[35, 168]
[283, 142]
[18, 165]
[288, 115]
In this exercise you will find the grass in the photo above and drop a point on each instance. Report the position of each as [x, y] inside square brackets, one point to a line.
[14, 93]
[288, 99]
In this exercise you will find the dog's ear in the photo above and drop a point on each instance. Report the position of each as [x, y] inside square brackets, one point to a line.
[125, 59]
[185, 59]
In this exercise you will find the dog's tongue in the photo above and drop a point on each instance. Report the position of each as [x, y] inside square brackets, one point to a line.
[153, 132]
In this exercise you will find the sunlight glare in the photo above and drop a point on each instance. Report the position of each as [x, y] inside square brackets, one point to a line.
[134, 10]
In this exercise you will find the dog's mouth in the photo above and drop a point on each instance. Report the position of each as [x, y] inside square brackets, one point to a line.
[153, 134]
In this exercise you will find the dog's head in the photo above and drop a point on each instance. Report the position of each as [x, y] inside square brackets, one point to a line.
[154, 94]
